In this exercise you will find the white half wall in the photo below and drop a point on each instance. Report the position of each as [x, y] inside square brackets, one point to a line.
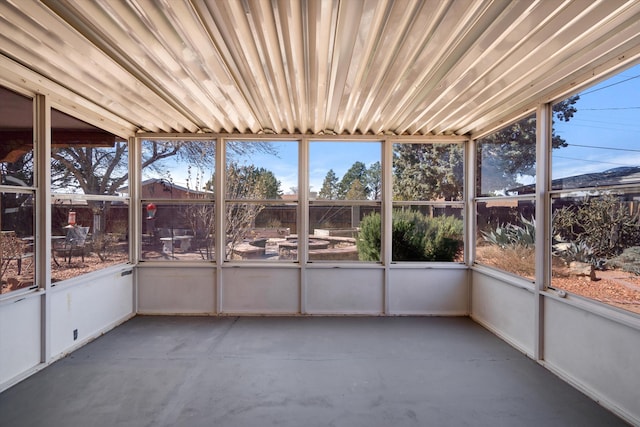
[506, 309]
[255, 289]
[85, 307]
[345, 290]
[595, 353]
[20, 336]
[260, 290]
[429, 291]
[176, 290]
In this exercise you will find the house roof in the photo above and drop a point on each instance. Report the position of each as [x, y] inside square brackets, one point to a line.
[625, 175]
[346, 67]
[152, 181]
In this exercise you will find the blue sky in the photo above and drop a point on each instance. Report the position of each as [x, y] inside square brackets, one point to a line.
[604, 133]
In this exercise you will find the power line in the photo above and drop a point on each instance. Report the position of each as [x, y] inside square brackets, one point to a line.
[627, 126]
[616, 129]
[610, 109]
[605, 148]
[607, 86]
[592, 161]
[607, 122]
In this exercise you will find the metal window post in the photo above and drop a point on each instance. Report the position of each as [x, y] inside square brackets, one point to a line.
[544, 125]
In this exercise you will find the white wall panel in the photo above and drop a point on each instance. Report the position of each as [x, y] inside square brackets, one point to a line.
[261, 290]
[505, 309]
[345, 291]
[20, 328]
[428, 291]
[595, 353]
[91, 307]
[176, 290]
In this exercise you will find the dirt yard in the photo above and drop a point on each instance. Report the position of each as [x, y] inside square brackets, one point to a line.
[59, 271]
[613, 287]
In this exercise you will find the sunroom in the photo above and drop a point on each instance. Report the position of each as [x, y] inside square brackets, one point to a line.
[473, 159]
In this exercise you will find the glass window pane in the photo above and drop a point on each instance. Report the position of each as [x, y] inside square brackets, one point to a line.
[345, 232]
[261, 231]
[17, 254]
[345, 170]
[16, 139]
[85, 159]
[178, 169]
[178, 231]
[427, 233]
[262, 170]
[87, 236]
[87, 233]
[596, 247]
[506, 236]
[427, 172]
[596, 135]
[507, 160]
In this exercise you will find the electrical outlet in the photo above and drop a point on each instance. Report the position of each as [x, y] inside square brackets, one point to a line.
[75, 334]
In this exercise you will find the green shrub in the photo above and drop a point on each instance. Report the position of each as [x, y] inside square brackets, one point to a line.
[628, 260]
[369, 238]
[407, 238]
[416, 237]
[443, 238]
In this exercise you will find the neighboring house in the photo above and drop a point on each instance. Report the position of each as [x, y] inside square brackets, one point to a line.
[157, 188]
[625, 175]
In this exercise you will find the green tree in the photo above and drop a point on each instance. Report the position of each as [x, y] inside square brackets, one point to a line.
[329, 189]
[357, 171]
[267, 182]
[357, 191]
[508, 153]
[374, 180]
[428, 171]
[249, 182]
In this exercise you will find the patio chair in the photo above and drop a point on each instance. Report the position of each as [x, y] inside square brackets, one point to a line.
[15, 248]
[74, 243]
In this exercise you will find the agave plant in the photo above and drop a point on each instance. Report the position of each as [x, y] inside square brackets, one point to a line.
[573, 251]
[506, 235]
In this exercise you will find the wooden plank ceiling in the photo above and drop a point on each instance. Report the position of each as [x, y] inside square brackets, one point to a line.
[405, 67]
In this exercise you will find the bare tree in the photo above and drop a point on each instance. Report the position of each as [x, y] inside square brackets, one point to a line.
[244, 186]
[200, 217]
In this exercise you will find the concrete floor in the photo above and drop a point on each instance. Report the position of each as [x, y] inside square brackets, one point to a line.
[331, 371]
